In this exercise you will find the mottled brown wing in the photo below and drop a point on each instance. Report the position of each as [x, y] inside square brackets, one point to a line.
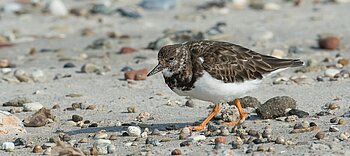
[233, 63]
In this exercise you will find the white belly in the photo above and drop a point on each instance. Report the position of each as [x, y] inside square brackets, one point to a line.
[210, 89]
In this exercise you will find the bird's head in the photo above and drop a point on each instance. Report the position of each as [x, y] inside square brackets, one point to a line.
[170, 58]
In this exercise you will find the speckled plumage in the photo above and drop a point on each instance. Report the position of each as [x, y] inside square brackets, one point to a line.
[227, 67]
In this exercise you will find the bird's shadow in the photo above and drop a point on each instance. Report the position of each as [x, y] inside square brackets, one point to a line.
[163, 126]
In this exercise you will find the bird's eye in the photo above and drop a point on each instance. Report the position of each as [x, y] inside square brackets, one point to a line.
[171, 59]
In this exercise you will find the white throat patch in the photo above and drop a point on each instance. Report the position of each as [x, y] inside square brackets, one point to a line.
[167, 73]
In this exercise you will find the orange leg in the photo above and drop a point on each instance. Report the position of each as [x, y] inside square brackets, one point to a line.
[242, 114]
[202, 125]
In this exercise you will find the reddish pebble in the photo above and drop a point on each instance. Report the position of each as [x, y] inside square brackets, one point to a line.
[37, 149]
[136, 74]
[330, 42]
[127, 50]
[220, 140]
[176, 152]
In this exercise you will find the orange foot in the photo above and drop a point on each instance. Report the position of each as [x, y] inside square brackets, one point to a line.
[242, 115]
[202, 125]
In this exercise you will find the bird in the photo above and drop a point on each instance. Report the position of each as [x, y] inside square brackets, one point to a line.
[217, 72]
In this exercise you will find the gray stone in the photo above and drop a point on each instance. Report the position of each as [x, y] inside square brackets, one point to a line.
[32, 107]
[275, 107]
[8, 146]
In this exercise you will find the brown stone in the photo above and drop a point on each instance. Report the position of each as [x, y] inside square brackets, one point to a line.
[136, 74]
[37, 149]
[343, 61]
[329, 42]
[176, 152]
[220, 140]
[127, 50]
[39, 118]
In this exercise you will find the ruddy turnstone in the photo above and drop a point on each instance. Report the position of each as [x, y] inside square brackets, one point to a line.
[216, 71]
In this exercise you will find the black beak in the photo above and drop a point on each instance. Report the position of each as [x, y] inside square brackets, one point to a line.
[155, 70]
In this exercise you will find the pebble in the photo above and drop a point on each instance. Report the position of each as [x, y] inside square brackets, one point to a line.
[136, 74]
[220, 140]
[101, 44]
[237, 142]
[38, 75]
[320, 135]
[10, 124]
[224, 131]
[134, 131]
[17, 102]
[104, 146]
[90, 68]
[77, 118]
[333, 129]
[130, 13]
[247, 101]
[153, 141]
[176, 152]
[127, 50]
[343, 136]
[48, 145]
[68, 65]
[261, 148]
[20, 142]
[57, 8]
[144, 116]
[39, 118]
[297, 112]
[4, 63]
[333, 106]
[197, 138]
[21, 75]
[329, 42]
[126, 69]
[189, 103]
[131, 109]
[37, 149]
[302, 125]
[331, 72]
[8, 146]
[280, 140]
[341, 122]
[31, 107]
[275, 107]
[267, 133]
[70, 123]
[158, 4]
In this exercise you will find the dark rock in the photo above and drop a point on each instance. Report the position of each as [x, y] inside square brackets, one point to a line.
[126, 12]
[189, 103]
[17, 102]
[275, 107]
[68, 65]
[126, 69]
[248, 101]
[20, 142]
[77, 118]
[176, 152]
[158, 4]
[153, 141]
[297, 112]
[93, 125]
